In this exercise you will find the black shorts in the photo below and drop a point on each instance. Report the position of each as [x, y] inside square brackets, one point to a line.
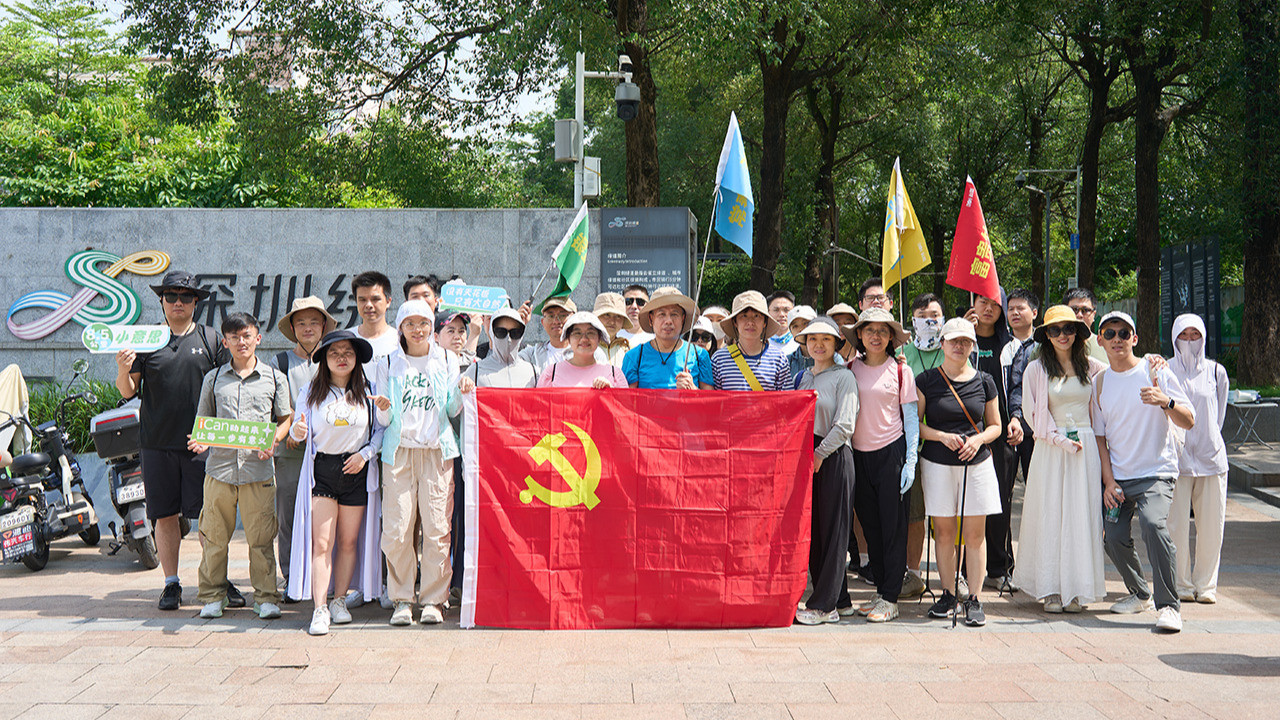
[331, 482]
[174, 481]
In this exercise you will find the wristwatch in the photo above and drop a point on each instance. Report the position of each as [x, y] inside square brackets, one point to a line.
[1171, 403]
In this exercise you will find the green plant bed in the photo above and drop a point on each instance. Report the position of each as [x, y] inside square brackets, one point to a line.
[44, 406]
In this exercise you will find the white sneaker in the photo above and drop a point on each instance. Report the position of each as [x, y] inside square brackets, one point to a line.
[403, 614]
[1170, 620]
[354, 599]
[884, 611]
[962, 588]
[1132, 604]
[865, 608]
[431, 615]
[1053, 604]
[319, 622]
[1074, 606]
[1208, 597]
[213, 609]
[267, 611]
[805, 616]
[1186, 596]
[338, 611]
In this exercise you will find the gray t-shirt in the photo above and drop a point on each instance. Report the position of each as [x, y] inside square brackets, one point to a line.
[300, 372]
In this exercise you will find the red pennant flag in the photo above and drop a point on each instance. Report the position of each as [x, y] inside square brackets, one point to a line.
[973, 266]
[636, 508]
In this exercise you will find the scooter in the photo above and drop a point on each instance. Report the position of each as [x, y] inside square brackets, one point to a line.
[115, 438]
[30, 520]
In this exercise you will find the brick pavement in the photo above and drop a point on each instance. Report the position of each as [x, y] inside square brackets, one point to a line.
[83, 639]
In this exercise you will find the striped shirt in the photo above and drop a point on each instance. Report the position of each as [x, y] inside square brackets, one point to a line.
[770, 367]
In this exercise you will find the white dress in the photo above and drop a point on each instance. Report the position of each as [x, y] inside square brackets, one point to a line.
[1060, 541]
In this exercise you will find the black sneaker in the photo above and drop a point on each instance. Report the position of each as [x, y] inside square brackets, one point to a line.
[867, 576]
[973, 615]
[943, 607]
[171, 598]
[234, 598]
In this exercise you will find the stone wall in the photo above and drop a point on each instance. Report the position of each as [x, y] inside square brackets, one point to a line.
[239, 254]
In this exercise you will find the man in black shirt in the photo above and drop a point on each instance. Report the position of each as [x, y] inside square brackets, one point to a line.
[168, 381]
[988, 318]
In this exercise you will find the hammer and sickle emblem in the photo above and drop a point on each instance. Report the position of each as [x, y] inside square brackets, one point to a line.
[582, 487]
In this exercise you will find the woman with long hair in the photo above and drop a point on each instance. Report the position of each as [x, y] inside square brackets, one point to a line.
[1060, 542]
[336, 419]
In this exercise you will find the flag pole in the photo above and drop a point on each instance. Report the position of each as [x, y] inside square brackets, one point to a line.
[538, 287]
[702, 267]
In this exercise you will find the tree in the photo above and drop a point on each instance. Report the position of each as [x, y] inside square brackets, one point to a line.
[1260, 339]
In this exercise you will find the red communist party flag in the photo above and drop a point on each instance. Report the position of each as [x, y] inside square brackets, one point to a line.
[973, 266]
[626, 508]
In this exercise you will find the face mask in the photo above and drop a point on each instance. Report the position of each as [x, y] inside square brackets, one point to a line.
[505, 348]
[927, 333]
[1190, 350]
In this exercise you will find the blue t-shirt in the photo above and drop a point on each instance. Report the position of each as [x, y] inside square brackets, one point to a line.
[646, 366]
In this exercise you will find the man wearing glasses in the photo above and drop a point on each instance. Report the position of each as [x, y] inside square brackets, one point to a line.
[169, 381]
[635, 297]
[1085, 306]
[872, 294]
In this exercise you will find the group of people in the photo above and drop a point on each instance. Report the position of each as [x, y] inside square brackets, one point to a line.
[361, 488]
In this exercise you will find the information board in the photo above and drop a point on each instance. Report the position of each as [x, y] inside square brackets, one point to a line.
[1190, 283]
[652, 247]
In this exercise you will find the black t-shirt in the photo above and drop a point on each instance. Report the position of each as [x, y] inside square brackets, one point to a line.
[170, 386]
[942, 412]
[989, 349]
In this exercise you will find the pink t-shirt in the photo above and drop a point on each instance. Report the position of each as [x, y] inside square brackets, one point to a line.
[882, 390]
[566, 374]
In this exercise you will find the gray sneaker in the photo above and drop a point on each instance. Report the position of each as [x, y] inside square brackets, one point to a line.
[912, 586]
[1132, 604]
[267, 611]
[213, 610]
[403, 614]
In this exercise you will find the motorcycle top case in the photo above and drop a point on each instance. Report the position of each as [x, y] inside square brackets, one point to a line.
[115, 432]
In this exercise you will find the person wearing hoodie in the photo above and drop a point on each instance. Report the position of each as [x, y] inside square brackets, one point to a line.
[503, 367]
[1202, 465]
[988, 318]
[420, 387]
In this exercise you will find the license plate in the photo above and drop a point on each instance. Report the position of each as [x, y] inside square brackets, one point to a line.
[17, 542]
[131, 493]
[21, 516]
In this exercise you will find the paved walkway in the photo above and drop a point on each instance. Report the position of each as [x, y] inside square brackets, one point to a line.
[83, 639]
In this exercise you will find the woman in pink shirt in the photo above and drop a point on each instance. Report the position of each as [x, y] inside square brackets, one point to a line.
[884, 448]
[583, 331]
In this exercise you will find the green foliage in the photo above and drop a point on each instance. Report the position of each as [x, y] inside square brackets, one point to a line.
[45, 397]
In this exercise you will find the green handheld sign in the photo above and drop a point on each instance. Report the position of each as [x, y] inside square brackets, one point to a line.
[100, 338]
[235, 434]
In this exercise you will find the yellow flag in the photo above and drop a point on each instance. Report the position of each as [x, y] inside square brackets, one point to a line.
[904, 250]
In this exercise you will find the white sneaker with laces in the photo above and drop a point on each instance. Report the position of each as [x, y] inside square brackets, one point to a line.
[1074, 606]
[338, 611]
[865, 608]
[319, 622]
[1053, 604]
[1207, 597]
[213, 609]
[1169, 620]
[403, 614]
[884, 611]
[431, 615]
[1132, 605]
[805, 616]
[267, 611]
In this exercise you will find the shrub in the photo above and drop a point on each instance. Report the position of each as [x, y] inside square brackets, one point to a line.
[44, 406]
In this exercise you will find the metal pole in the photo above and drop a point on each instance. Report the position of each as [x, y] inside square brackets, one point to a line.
[1048, 214]
[1078, 227]
[579, 69]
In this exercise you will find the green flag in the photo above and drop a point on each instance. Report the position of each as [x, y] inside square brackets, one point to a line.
[570, 257]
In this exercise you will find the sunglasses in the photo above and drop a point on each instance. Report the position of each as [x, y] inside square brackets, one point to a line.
[174, 298]
[703, 337]
[1110, 333]
[1082, 310]
[639, 302]
[500, 333]
[1054, 331]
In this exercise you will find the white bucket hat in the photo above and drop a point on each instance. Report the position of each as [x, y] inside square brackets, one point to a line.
[583, 317]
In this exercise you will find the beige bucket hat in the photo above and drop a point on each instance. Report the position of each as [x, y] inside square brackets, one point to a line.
[611, 303]
[876, 315]
[662, 297]
[310, 302]
[750, 300]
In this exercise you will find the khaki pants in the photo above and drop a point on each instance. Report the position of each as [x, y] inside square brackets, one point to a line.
[419, 487]
[1207, 496]
[257, 505]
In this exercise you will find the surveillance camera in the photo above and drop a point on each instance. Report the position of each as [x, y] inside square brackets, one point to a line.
[1020, 180]
[624, 64]
[627, 96]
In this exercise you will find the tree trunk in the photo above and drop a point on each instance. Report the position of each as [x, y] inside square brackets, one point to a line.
[643, 187]
[826, 210]
[1260, 338]
[1149, 131]
[1090, 171]
[776, 79]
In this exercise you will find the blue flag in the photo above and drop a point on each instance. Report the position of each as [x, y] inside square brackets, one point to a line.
[734, 205]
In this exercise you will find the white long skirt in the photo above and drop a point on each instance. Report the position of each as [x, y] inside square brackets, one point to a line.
[1060, 540]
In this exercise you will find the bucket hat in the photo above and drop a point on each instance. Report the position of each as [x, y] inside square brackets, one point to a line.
[582, 317]
[663, 297]
[364, 351]
[876, 315]
[611, 303]
[180, 280]
[749, 300]
[310, 302]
